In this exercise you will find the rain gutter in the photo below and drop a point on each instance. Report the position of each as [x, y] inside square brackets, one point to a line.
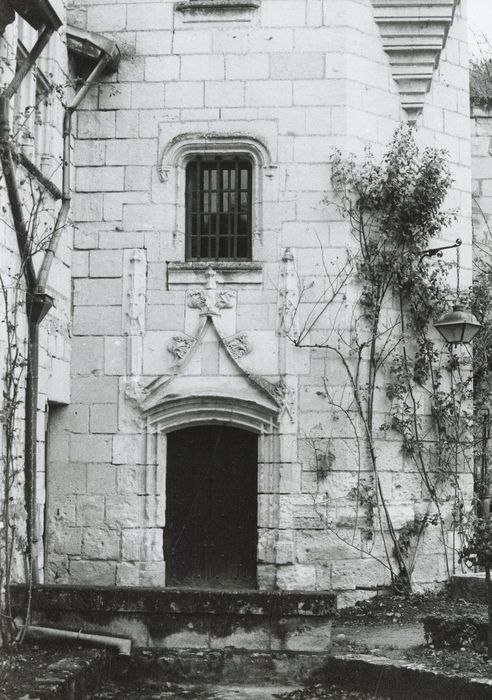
[66, 198]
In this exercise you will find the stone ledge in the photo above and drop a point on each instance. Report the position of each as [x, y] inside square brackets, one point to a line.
[481, 112]
[176, 600]
[398, 679]
[182, 618]
[216, 6]
[75, 677]
[228, 272]
[220, 11]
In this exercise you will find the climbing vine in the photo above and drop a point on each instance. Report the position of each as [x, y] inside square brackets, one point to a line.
[30, 223]
[404, 385]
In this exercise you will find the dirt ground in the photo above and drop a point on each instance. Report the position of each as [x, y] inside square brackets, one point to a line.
[20, 667]
[396, 610]
[387, 626]
[390, 626]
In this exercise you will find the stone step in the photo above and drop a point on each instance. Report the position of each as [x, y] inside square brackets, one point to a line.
[226, 666]
[168, 618]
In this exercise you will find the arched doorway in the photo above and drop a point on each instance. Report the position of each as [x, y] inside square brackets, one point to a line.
[211, 507]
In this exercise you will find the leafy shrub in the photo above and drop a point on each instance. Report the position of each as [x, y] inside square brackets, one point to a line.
[456, 632]
[481, 83]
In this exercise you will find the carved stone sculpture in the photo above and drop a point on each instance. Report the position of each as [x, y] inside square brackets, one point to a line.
[288, 296]
[134, 292]
[239, 346]
[285, 397]
[180, 346]
[210, 301]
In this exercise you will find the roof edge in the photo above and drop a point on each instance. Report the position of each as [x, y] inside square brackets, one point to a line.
[38, 13]
[93, 46]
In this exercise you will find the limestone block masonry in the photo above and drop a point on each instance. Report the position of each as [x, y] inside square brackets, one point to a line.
[481, 129]
[162, 342]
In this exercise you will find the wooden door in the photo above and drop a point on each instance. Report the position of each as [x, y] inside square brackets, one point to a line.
[211, 507]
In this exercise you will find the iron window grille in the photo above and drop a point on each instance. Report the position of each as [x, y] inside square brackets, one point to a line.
[219, 208]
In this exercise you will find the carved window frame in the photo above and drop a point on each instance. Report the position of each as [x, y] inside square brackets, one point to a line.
[200, 207]
[184, 148]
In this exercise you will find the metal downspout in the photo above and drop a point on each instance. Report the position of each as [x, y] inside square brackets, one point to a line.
[38, 302]
[33, 315]
[30, 441]
[61, 219]
[37, 312]
[122, 645]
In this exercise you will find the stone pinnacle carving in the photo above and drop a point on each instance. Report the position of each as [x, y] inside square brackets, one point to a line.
[209, 301]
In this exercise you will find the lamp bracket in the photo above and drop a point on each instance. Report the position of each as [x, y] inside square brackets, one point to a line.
[430, 252]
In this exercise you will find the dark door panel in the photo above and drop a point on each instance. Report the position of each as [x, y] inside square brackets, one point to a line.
[211, 507]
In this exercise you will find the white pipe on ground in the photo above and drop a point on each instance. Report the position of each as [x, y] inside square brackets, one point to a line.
[124, 646]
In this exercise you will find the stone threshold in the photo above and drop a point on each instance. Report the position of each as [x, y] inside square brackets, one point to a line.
[170, 618]
[176, 600]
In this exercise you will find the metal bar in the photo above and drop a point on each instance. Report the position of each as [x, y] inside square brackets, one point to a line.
[237, 187]
[201, 199]
[33, 169]
[98, 69]
[209, 230]
[218, 206]
[250, 212]
[229, 213]
[190, 174]
[8, 169]
[27, 65]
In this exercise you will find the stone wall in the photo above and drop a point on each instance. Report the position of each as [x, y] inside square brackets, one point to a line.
[285, 82]
[36, 128]
[481, 129]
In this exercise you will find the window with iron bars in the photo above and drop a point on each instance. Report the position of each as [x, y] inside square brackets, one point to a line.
[219, 208]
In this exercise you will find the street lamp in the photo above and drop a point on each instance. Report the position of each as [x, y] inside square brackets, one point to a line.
[459, 325]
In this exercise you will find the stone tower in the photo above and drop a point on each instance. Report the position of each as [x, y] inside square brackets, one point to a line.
[201, 176]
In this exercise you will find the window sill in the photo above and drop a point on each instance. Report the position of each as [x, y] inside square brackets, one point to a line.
[229, 272]
[218, 11]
